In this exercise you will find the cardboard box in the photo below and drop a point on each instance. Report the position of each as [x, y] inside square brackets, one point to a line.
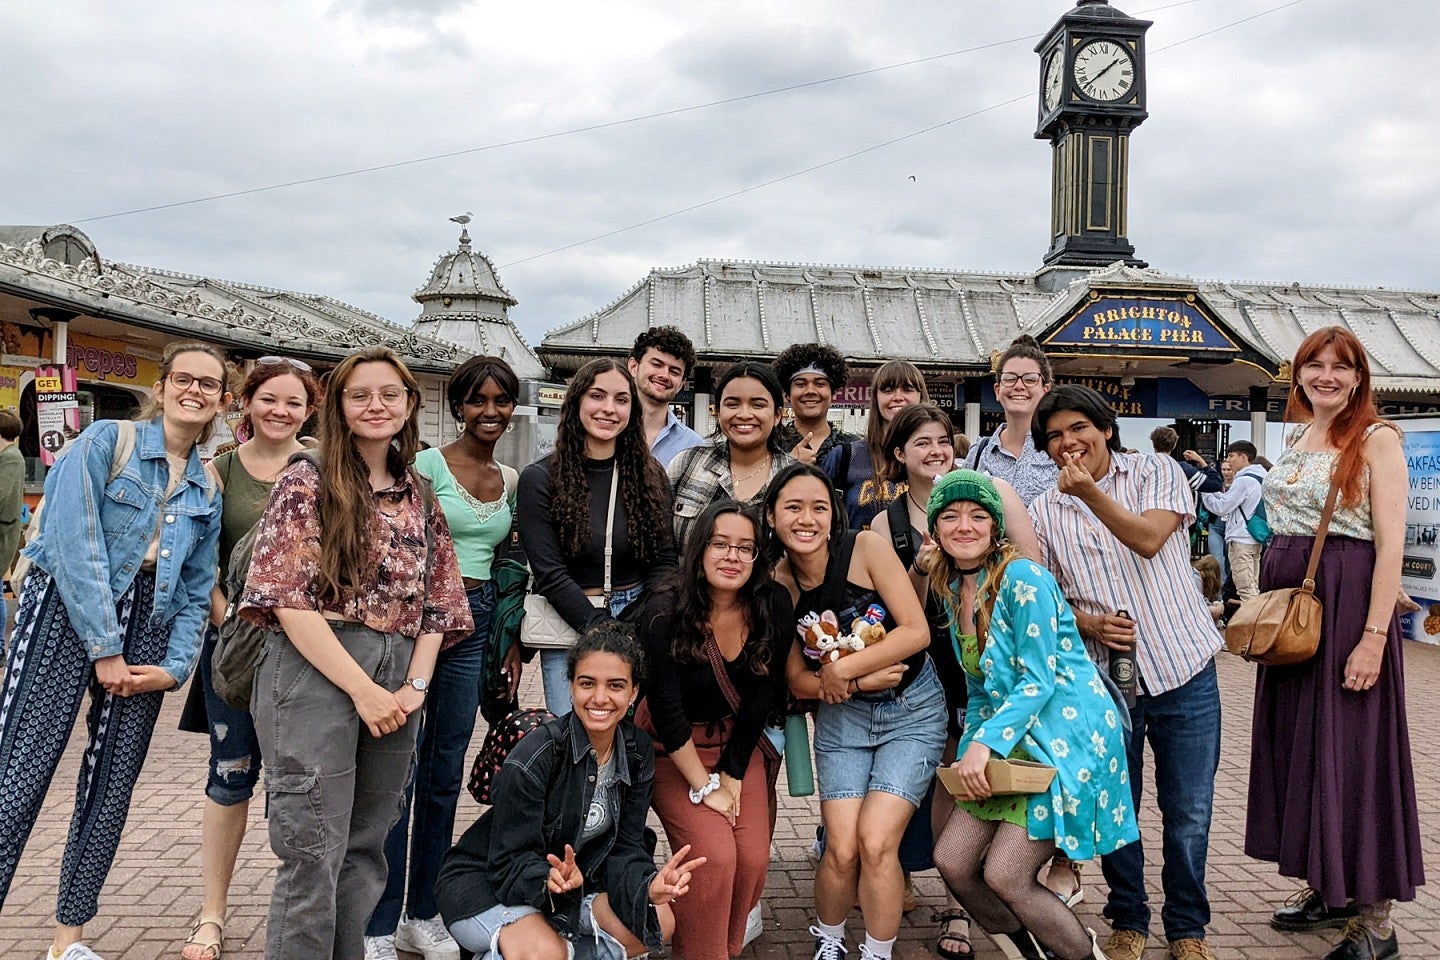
[1006, 777]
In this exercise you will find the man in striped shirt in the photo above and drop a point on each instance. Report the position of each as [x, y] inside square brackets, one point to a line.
[1113, 531]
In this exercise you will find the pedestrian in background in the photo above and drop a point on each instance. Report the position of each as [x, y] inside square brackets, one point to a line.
[1237, 503]
[477, 495]
[12, 504]
[601, 468]
[278, 397]
[114, 601]
[1332, 785]
[354, 570]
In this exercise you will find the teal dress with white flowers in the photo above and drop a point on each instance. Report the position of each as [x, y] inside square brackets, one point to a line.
[1041, 697]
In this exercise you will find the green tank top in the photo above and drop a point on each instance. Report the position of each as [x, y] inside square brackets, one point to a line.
[244, 503]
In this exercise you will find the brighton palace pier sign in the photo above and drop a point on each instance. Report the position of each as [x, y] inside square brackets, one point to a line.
[1158, 324]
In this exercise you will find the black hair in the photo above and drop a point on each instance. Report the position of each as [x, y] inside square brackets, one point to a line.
[467, 379]
[1081, 400]
[1252, 453]
[766, 375]
[608, 636]
[671, 340]
[692, 600]
[1026, 347]
[798, 356]
[838, 521]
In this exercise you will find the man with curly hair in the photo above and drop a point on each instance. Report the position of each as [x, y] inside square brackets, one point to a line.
[812, 374]
[660, 362]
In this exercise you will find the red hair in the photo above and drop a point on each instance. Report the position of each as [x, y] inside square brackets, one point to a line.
[1347, 431]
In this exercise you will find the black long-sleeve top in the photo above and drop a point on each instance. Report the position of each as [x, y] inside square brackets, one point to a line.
[563, 577]
[685, 692]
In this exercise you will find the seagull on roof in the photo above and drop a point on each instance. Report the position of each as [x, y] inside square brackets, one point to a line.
[463, 219]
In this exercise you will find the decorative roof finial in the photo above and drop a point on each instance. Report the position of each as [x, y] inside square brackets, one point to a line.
[463, 220]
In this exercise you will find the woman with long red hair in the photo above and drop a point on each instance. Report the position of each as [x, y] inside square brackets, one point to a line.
[1332, 789]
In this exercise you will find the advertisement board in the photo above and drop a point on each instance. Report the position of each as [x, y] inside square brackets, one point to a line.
[1418, 576]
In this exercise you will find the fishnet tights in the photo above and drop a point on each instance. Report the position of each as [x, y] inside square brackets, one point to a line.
[1000, 889]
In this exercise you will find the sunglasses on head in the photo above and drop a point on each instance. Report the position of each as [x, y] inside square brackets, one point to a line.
[273, 361]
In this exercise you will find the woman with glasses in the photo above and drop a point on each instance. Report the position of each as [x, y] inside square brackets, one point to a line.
[477, 494]
[716, 638]
[601, 468]
[278, 397]
[856, 468]
[1023, 377]
[746, 454]
[354, 569]
[117, 593]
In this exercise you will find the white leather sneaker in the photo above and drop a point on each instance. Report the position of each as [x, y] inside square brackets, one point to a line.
[429, 938]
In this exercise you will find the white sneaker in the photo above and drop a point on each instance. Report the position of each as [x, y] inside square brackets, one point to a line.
[429, 938]
[76, 951]
[754, 924]
[380, 948]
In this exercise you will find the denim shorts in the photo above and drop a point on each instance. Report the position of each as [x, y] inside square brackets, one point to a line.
[480, 934]
[882, 741]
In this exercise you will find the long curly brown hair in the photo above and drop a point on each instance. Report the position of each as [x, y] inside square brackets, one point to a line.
[644, 488]
[346, 502]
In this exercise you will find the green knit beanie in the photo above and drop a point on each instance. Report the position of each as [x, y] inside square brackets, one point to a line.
[971, 486]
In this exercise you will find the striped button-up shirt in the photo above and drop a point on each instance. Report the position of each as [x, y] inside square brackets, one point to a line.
[1176, 637]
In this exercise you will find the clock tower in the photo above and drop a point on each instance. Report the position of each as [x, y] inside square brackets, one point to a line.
[1092, 94]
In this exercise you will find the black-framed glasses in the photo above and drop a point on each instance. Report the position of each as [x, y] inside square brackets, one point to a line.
[747, 552]
[1010, 379]
[181, 381]
[389, 396]
[274, 361]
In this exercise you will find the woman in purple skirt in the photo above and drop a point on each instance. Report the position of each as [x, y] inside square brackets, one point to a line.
[1332, 791]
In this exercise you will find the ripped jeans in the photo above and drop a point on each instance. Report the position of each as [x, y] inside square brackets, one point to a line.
[234, 750]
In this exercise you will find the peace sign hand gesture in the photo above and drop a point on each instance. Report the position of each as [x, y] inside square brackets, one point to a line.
[564, 874]
[673, 880]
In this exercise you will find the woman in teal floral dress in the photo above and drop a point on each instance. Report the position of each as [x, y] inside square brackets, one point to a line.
[1034, 694]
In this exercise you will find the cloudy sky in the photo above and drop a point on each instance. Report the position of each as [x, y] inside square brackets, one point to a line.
[1301, 145]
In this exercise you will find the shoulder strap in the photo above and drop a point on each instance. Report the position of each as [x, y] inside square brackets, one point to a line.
[732, 696]
[1320, 534]
[512, 482]
[124, 446]
[979, 450]
[610, 527]
[898, 512]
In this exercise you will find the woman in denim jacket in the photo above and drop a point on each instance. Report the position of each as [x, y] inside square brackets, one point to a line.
[118, 588]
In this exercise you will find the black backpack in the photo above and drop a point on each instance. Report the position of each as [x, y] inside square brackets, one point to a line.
[242, 644]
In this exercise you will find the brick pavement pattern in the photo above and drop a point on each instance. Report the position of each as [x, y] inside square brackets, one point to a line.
[154, 891]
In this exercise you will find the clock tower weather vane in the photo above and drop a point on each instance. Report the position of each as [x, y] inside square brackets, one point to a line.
[1092, 95]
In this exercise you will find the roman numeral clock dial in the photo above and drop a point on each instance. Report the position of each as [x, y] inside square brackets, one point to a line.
[1104, 71]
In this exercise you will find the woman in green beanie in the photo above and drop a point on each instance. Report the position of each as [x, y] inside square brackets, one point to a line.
[1034, 694]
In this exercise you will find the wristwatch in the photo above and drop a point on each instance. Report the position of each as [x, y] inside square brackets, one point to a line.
[418, 684]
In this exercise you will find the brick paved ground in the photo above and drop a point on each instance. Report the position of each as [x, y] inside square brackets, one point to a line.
[154, 890]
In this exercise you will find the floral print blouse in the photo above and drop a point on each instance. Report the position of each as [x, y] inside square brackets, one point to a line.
[287, 553]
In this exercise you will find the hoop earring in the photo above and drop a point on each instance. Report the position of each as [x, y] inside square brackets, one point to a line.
[459, 427]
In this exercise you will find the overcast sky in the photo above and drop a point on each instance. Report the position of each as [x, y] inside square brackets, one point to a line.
[1302, 145]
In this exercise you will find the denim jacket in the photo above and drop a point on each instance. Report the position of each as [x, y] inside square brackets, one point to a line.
[542, 793]
[95, 531]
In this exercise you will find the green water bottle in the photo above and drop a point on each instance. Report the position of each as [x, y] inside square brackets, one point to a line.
[798, 773]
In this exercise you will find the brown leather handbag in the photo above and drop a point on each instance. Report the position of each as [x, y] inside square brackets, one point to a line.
[1282, 627]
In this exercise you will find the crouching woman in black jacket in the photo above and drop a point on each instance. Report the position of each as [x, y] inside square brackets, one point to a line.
[558, 867]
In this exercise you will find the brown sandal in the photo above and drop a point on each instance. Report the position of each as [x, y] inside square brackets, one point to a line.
[209, 949]
[964, 951]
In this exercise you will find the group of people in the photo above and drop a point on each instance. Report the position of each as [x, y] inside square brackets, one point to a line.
[712, 588]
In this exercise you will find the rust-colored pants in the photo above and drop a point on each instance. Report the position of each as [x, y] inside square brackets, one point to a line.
[710, 919]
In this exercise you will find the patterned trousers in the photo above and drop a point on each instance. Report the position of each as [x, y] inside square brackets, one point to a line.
[47, 674]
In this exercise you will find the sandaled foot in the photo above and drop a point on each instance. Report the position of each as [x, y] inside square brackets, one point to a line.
[954, 942]
[207, 939]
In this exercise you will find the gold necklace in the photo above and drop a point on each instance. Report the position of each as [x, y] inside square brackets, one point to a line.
[736, 481]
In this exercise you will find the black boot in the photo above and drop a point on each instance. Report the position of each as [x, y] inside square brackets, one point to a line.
[1305, 911]
[1361, 943]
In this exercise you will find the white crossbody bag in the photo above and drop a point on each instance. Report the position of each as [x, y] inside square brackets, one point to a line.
[544, 628]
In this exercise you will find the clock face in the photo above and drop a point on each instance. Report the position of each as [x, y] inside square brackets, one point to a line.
[1104, 70]
[1050, 94]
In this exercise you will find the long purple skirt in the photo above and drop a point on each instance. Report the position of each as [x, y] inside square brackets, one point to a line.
[1332, 792]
